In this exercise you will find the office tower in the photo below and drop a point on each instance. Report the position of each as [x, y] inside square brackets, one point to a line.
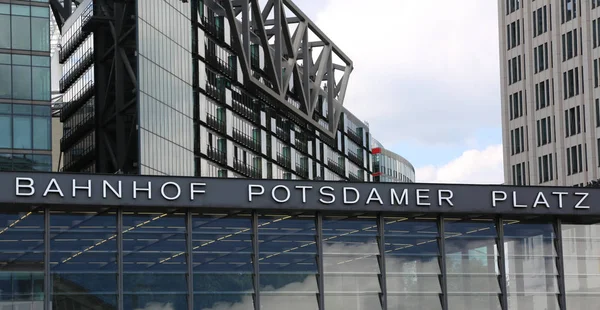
[549, 72]
[24, 86]
[389, 166]
[206, 88]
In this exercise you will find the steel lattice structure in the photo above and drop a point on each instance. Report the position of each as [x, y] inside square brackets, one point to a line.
[289, 45]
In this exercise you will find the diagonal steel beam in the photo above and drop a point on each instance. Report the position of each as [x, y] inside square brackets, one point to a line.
[260, 28]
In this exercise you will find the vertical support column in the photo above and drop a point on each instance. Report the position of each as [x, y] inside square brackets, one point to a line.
[189, 259]
[443, 276]
[320, 274]
[560, 265]
[255, 262]
[381, 259]
[47, 278]
[501, 263]
[120, 259]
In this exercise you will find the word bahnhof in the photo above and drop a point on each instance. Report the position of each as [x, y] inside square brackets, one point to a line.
[338, 193]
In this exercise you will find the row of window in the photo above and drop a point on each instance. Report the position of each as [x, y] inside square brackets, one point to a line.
[28, 78]
[24, 126]
[519, 174]
[575, 160]
[512, 6]
[568, 10]
[545, 169]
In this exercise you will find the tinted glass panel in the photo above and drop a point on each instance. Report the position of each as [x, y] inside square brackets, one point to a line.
[40, 34]
[472, 264]
[22, 132]
[581, 250]
[21, 36]
[222, 256]
[83, 254]
[4, 35]
[21, 82]
[5, 80]
[412, 263]
[154, 263]
[22, 260]
[5, 131]
[41, 83]
[41, 133]
[288, 261]
[531, 265]
[350, 264]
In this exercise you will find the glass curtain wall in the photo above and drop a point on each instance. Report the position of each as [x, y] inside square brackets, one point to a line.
[108, 259]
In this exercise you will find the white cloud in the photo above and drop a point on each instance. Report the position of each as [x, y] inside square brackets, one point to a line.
[421, 67]
[473, 166]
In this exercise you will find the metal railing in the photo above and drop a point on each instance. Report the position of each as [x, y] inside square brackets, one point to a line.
[216, 155]
[216, 124]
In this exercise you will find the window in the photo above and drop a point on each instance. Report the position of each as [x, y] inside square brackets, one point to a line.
[544, 131]
[540, 58]
[574, 159]
[515, 102]
[540, 21]
[513, 33]
[569, 44]
[598, 113]
[518, 174]
[511, 6]
[571, 83]
[514, 70]
[4, 24]
[596, 32]
[517, 137]
[542, 94]
[568, 10]
[573, 121]
[545, 168]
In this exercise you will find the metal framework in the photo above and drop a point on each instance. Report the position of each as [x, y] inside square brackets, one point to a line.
[299, 59]
[62, 9]
[114, 24]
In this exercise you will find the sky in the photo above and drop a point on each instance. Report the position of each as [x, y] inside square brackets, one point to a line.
[426, 78]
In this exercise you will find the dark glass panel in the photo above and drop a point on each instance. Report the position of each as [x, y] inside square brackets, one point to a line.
[22, 132]
[40, 83]
[530, 265]
[21, 77]
[40, 34]
[22, 259]
[288, 261]
[5, 79]
[83, 254]
[472, 264]
[154, 260]
[5, 131]
[21, 36]
[4, 35]
[222, 256]
[412, 263]
[350, 264]
[41, 133]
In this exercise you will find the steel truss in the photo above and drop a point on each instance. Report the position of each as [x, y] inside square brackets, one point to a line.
[114, 24]
[289, 41]
[62, 9]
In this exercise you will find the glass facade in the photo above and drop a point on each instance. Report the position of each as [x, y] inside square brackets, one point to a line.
[165, 88]
[390, 167]
[25, 117]
[102, 258]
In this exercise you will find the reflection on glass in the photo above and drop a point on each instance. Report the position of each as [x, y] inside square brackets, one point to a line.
[581, 251]
[412, 263]
[530, 265]
[22, 260]
[222, 256]
[83, 254]
[350, 264]
[154, 261]
[288, 261]
[472, 264]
